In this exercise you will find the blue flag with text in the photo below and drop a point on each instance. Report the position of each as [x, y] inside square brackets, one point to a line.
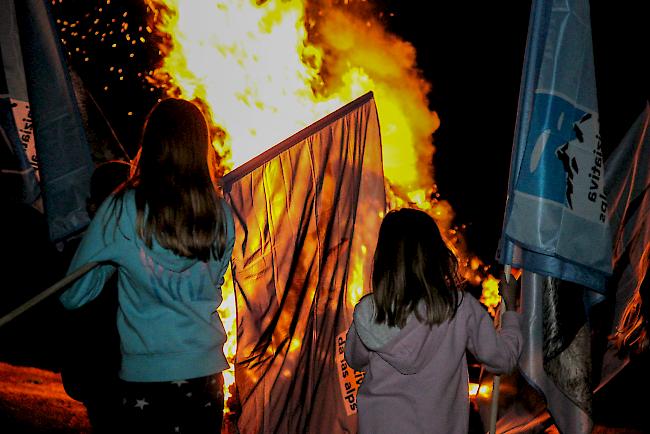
[556, 225]
[49, 140]
[556, 215]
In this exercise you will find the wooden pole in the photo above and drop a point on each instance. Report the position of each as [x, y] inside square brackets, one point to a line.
[496, 380]
[48, 292]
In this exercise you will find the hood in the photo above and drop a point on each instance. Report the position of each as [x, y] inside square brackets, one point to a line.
[158, 254]
[374, 336]
[166, 258]
[407, 349]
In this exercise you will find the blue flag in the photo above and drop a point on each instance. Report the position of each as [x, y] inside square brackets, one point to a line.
[62, 150]
[556, 214]
[556, 223]
[19, 163]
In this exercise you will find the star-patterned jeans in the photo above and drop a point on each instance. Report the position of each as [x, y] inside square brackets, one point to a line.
[185, 406]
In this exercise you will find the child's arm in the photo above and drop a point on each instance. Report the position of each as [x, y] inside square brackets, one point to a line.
[498, 351]
[508, 288]
[356, 354]
[92, 248]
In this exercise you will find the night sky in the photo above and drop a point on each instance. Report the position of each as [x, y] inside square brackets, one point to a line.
[470, 52]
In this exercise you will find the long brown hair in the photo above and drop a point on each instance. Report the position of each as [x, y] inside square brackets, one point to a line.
[412, 264]
[174, 182]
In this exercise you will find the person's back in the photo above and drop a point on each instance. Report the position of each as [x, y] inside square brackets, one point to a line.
[167, 235]
[416, 377]
[416, 368]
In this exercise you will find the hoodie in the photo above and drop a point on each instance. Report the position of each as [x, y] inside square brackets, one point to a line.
[167, 320]
[416, 377]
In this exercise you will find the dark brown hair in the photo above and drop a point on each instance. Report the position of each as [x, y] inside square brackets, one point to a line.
[175, 185]
[413, 266]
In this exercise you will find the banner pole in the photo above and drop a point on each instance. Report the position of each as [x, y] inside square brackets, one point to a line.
[48, 292]
[496, 380]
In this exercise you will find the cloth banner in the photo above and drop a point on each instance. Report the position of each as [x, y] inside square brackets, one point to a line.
[307, 214]
[63, 153]
[555, 225]
[556, 213]
[19, 163]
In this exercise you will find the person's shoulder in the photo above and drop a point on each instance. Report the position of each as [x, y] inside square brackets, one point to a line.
[228, 216]
[224, 203]
[365, 301]
[467, 303]
[128, 200]
[226, 208]
[364, 310]
[122, 198]
[127, 197]
[118, 209]
[106, 209]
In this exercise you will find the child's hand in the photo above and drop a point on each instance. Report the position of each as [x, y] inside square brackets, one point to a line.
[508, 288]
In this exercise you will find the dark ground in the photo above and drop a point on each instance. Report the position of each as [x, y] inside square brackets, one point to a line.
[33, 401]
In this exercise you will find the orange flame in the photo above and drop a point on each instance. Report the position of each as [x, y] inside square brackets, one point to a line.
[266, 69]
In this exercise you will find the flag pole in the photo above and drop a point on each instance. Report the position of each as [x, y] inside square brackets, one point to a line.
[496, 380]
[49, 291]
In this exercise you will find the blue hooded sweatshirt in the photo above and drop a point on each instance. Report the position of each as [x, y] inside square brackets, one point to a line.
[167, 319]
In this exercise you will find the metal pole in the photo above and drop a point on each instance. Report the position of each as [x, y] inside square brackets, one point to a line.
[496, 381]
[49, 291]
[495, 404]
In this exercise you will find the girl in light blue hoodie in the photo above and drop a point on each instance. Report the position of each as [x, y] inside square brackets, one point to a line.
[169, 236]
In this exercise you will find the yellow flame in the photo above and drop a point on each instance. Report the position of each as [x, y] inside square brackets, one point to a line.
[356, 287]
[227, 312]
[251, 65]
[483, 390]
[490, 295]
[295, 344]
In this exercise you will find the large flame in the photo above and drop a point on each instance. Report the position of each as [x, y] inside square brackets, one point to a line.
[266, 69]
